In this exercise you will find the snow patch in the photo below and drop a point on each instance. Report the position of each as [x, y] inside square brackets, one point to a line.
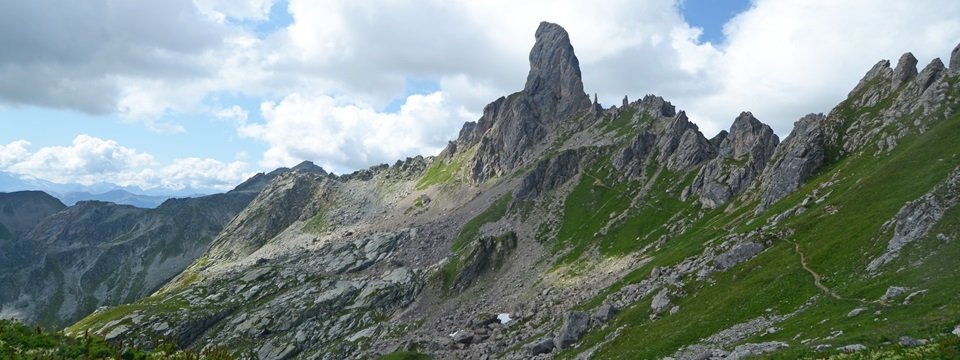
[504, 318]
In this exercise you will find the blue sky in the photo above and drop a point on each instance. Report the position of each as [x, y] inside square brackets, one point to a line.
[245, 86]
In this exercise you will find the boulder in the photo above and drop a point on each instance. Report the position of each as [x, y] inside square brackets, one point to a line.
[661, 302]
[463, 337]
[748, 350]
[575, 324]
[737, 254]
[544, 346]
[603, 314]
[907, 341]
[856, 312]
[893, 292]
[852, 348]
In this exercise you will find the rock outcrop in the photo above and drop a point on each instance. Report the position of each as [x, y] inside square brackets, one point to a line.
[554, 83]
[278, 205]
[511, 127]
[916, 218]
[743, 154]
[796, 159]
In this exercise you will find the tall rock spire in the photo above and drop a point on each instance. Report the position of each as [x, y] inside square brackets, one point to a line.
[554, 83]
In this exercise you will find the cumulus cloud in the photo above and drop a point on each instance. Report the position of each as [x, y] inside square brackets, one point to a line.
[326, 79]
[90, 160]
[343, 137]
[787, 58]
[13, 152]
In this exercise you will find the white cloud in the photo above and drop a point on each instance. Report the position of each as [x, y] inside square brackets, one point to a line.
[220, 10]
[787, 58]
[90, 160]
[234, 114]
[331, 72]
[198, 173]
[342, 137]
[13, 152]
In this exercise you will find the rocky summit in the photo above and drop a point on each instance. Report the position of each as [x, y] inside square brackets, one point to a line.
[553, 227]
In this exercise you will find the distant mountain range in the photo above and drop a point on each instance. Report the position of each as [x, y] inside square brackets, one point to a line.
[72, 193]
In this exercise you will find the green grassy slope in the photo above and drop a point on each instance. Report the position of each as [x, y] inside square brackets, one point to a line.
[838, 237]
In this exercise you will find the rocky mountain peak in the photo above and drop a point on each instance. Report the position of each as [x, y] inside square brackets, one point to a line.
[749, 136]
[905, 71]
[743, 154]
[554, 81]
[930, 73]
[309, 167]
[955, 58]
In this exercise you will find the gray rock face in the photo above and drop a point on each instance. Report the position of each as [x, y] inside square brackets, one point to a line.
[955, 58]
[549, 174]
[283, 201]
[482, 257]
[743, 154]
[351, 256]
[874, 111]
[575, 324]
[512, 126]
[630, 159]
[681, 146]
[287, 310]
[905, 71]
[930, 73]
[554, 83]
[504, 146]
[795, 160]
[916, 218]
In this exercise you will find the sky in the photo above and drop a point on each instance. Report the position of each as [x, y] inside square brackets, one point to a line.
[202, 94]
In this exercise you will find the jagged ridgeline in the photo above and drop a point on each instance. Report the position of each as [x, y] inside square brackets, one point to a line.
[555, 227]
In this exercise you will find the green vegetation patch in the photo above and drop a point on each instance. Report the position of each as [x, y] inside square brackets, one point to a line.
[444, 172]
[18, 341]
[471, 230]
[598, 213]
[481, 256]
[838, 237]
[148, 305]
